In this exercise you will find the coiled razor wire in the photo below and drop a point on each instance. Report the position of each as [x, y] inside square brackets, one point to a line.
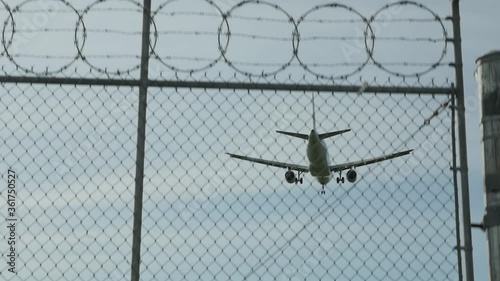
[224, 35]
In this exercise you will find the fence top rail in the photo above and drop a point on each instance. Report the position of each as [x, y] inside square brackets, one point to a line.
[230, 85]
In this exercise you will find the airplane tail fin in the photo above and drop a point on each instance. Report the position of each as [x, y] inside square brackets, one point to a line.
[321, 136]
[314, 113]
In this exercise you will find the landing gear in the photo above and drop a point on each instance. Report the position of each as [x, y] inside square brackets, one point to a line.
[340, 178]
[299, 178]
[323, 189]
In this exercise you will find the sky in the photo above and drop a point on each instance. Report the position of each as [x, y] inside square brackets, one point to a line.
[76, 144]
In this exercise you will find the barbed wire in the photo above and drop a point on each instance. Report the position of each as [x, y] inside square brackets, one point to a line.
[225, 35]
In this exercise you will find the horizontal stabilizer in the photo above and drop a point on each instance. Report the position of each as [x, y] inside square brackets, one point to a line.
[331, 134]
[297, 135]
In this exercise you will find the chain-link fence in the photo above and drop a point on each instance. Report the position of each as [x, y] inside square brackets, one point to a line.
[211, 217]
[70, 134]
[207, 216]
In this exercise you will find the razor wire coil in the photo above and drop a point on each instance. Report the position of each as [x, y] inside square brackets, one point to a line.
[225, 36]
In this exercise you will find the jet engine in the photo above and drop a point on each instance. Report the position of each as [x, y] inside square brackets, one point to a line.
[290, 177]
[351, 175]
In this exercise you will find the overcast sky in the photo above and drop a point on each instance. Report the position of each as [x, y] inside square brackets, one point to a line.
[54, 50]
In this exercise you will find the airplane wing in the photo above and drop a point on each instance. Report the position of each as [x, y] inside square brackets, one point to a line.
[299, 168]
[345, 166]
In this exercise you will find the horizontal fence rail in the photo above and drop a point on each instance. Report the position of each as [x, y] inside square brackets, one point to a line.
[232, 85]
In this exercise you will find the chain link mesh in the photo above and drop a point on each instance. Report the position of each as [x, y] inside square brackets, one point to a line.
[73, 149]
[207, 216]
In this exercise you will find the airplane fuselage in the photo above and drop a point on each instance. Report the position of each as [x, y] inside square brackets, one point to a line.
[317, 153]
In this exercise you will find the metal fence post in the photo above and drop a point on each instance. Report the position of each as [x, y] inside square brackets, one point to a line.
[141, 139]
[464, 173]
[488, 79]
[455, 185]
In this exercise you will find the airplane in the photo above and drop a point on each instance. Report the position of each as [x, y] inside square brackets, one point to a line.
[319, 161]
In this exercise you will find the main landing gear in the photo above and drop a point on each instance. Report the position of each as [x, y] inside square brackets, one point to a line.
[340, 178]
[290, 176]
[299, 178]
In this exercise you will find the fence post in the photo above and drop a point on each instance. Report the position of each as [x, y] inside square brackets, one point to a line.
[462, 140]
[141, 140]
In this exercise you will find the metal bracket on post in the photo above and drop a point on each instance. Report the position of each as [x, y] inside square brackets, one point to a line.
[460, 248]
[491, 183]
[477, 225]
[492, 217]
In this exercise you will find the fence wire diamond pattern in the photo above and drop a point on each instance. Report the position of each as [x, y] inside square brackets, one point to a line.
[207, 216]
